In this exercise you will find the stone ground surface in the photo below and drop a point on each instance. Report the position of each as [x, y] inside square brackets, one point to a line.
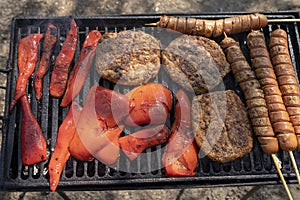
[11, 8]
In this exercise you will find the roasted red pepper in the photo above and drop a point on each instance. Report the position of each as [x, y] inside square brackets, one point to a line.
[181, 155]
[33, 143]
[28, 50]
[134, 144]
[81, 68]
[49, 41]
[59, 75]
[151, 103]
[99, 126]
[78, 150]
[61, 151]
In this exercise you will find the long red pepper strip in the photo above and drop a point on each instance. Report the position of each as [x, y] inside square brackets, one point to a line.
[49, 41]
[61, 152]
[33, 143]
[27, 57]
[181, 155]
[63, 61]
[82, 67]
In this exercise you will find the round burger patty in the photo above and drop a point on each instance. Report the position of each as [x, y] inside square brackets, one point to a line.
[128, 57]
[196, 63]
[221, 126]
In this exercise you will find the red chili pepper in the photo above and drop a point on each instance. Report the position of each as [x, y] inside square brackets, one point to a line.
[49, 41]
[63, 61]
[134, 144]
[181, 155]
[27, 57]
[33, 143]
[61, 152]
[82, 67]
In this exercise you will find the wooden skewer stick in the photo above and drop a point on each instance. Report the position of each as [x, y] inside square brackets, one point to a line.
[283, 20]
[269, 21]
[275, 160]
[295, 166]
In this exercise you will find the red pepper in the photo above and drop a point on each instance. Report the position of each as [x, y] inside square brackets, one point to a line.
[151, 104]
[82, 67]
[181, 155]
[61, 152]
[59, 75]
[98, 128]
[134, 144]
[33, 143]
[27, 58]
[49, 41]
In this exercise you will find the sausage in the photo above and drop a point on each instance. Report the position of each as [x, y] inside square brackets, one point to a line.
[59, 75]
[254, 95]
[213, 28]
[49, 41]
[286, 77]
[278, 114]
[28, 50]
[81, 68]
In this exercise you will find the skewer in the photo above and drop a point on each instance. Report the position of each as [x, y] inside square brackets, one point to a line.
[295, 166]
[275, 160]
[269, 21]
[273, 155]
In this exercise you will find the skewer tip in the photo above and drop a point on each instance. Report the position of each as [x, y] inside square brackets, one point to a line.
[277, 165]
[151, 24]
[283, 20]
[295, 166]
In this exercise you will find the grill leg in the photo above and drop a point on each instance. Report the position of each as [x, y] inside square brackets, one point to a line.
[179, 195]
[22, 195]
[63, 195]
[251, 192]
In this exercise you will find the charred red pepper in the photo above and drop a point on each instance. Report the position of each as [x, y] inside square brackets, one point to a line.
[151, 103]
[61, 151]
[33, 143]
[134, 144]
[99, 126]
[181, 155]
[59, 75]
[82, 67]
[27, 57]
[49, 41]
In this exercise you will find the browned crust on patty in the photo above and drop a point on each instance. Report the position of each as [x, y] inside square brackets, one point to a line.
[221, 126]
[196, 63]
[128, 57]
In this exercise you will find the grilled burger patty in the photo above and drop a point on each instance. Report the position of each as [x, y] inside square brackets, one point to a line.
[221, 125]
[194, 62]
[128, 57]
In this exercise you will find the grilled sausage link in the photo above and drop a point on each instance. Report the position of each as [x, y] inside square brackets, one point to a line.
[215, 28]
[254, 95]
[264, 71]
[286, 77]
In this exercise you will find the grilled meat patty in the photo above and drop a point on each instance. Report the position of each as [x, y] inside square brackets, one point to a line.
[196, 63]
[221, 125]
[128, 57]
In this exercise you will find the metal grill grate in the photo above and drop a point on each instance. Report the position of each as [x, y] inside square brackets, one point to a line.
[255, 168]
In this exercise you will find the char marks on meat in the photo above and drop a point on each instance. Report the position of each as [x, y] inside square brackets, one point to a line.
[221, 126]
[128, 57]
[196, 63]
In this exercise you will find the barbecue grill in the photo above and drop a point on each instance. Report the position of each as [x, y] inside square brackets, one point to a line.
[253, 169]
